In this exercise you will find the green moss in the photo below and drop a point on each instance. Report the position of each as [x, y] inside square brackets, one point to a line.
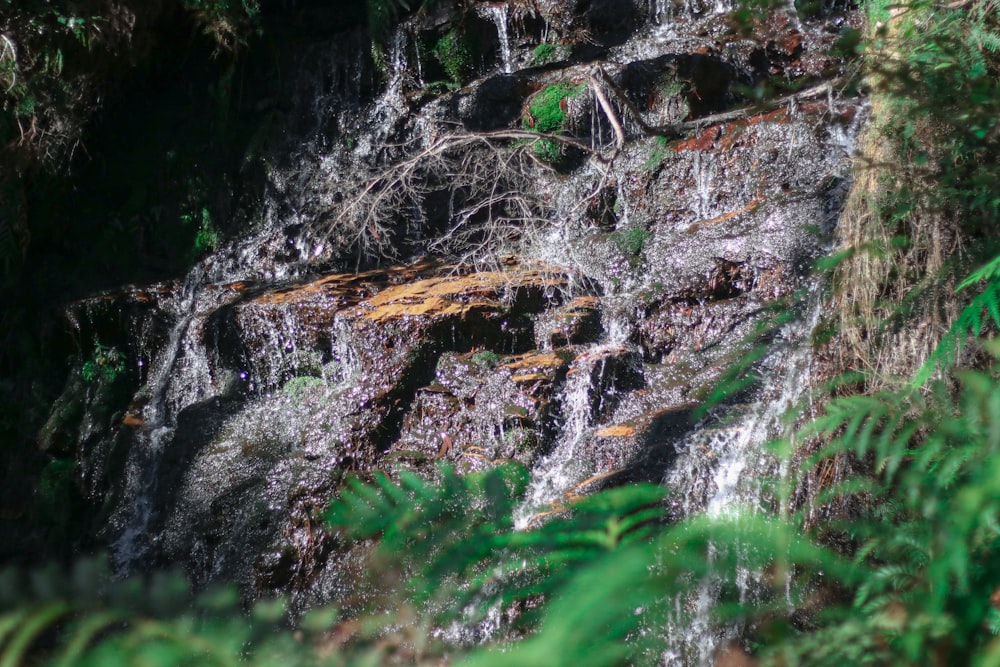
[299, 386]
[452, 51]
[657, 154]
[631, 241]
[486, 359]
[547, 113]
[544, 53]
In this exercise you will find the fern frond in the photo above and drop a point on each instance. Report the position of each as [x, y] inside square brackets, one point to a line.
[970, 321]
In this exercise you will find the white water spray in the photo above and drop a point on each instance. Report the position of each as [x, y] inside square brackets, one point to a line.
[720, 471]
[499, 15]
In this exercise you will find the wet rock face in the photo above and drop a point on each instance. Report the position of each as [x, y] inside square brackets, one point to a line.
[494, 104]
[610, 19]
[602, 291]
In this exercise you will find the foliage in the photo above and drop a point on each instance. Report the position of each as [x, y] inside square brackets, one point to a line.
[228, 22]
[928, 188]
[547, 113]
[105, 364]
[925, 536]
[207, 237]
[593, 584]
[969, 322]
[453, 53]
[85, 618]
[383, 15]
[454, 543]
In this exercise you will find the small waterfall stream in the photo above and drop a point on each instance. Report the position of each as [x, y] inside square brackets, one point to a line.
[178, 360]
[498, 12]
[726, 471]
[557, 473]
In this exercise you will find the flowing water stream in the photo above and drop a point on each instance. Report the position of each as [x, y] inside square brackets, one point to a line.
[285, 365]
[726, 471]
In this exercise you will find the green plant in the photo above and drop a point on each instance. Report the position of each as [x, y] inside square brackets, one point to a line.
[454, 545]
[922, 523]
[382, 16]
[486, 358]
[85, 618]
[546, 53]
[657, 153]
[207, 237]
[453, 53]
[631, 242]
[229, 23]
[106, 364]
[929, 189]
[547, 113]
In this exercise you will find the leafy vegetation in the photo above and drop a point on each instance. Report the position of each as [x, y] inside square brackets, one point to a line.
[208, 236]
[547, 113]
[446, 556]
[919, 216]
[453, 53]
[106, 364]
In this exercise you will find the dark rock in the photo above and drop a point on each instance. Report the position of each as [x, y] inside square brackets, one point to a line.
[494, 103]
[576, 323]
[609, 20]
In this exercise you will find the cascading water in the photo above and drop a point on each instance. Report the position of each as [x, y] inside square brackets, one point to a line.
[498, 12]
[703, 178]
[272, 382]
[556, 474]
[723, 471]
[178, 366]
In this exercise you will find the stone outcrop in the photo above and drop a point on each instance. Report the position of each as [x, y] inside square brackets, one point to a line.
[635, 282]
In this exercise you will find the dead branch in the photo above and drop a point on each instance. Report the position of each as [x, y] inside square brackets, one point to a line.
[678, 130]
[609, 112]
[494, 201]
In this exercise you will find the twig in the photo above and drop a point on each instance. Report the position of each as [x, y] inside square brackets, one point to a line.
[678, 130]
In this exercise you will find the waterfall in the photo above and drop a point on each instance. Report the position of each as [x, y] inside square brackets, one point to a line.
[722, 471]
[703, 178]
[298, 383]
[560, 470]
[498, 13]
[179, 368]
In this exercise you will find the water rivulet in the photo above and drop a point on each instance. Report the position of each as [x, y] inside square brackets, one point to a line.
[541, 237]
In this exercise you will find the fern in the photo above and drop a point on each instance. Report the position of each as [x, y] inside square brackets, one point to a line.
[83, 618]
[970, 321]
[454, 541]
